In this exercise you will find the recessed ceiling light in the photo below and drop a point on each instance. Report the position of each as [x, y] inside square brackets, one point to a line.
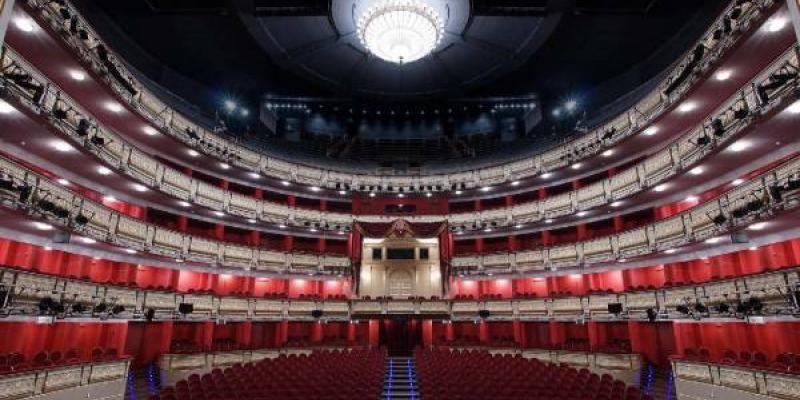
[87, 240]
[548, 221]
[110, 199]
[224, 166]
[62, 182]
[429, 194]
[458, 192]
[114, 107]
[252, 221]
[150, 131]
[740, 145]
[315, 189]
[131, 251]
[737, 182]
[47, 248]
[687, 106]
[622, 260]
[757, 226]
[193, 152]
[582, 213]
[24, 24]
[723, 75]
[518, 226]
[547, 175]
[713, 240]
[696, 170]
[400, 195]
[219, 213]
[139, 187]
[775, 24]
[616, 204]
[61, 146]
[794, 108]
[103, 170]
[515, 183]
[285, 183]
[42, 226]
[486, 188]
[184, 204]
[691, 199]
[670, 251]
[255, 175]
[371, 194]
[487, 230]
[660, 188]
[6, 108]
[343, 192]
[179, 260]
[650, 131]
[313, 230]
[282, 226]
[608, 153]
[753, 248]
[77, 75]
[576, 166]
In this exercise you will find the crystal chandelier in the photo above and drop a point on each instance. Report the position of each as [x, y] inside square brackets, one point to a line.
[400, 31]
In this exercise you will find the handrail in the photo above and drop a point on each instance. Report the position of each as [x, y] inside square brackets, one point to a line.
[734, 115]
[721, 36]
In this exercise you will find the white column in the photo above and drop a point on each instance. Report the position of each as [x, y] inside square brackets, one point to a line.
[6, 6]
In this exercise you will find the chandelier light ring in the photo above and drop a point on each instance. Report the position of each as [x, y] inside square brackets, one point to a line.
[400, 31]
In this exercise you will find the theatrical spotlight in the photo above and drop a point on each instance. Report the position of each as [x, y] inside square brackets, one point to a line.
[118, 309]
[722, 308]
[77, 308]
[700, 308]
[652, 314]
[682, 309]
[149, 315]
[100, 308]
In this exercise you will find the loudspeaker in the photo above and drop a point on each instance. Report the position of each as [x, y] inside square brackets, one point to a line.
[316, 313]
[615, 308]
[739, 237]
[185, 308]
[484, 314]
[61, 237]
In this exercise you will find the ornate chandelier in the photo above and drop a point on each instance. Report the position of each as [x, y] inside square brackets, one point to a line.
[400, 31]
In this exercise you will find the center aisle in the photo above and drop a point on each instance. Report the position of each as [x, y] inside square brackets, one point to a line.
[401, 379]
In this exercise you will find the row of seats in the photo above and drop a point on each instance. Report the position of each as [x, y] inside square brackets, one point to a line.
[784, 362]
[326, 375]
[477, 375]
[16, 362]
[719, 37]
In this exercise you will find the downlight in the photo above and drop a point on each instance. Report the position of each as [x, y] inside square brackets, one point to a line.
[400, 31]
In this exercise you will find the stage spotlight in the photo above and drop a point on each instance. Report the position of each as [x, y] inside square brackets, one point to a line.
[682, 309]
[98, 141]
[81, 220]
[723, 308]
[100, 308]
[652, 314]
[149, 315]
[118, 309]
[78, 308]
[83, 128]
[700, 308]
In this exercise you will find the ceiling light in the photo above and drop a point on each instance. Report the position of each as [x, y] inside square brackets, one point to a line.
[518, 226]
[670, 251]
[282, 226]
[87, 240]
[400, 195]
[150, 131]
[458, 192]
[61, 146]
[103, 170]
[193, 152]
[486, 188]
[179, 260]
[219, 213]
[547, 175]
[794, 108]
[130, 251]
[757, 226]
[139, 187]
[110, 199]
[616, 204]
[608, 153]
[576, 166]
[571, 105]
[77, 75]
[251, 221]
[184, 204]
[24, 24]
[723, 75]
[42, 226]
[515, 183]
[6, 108]
[696, 170]
[224, 166]
[487, 230]
[255, 175]
[713, 240]
[740, 145]
[660, 188]
[429, 194]
[687, 106]
[342, 192]
[691, 199]
[650, 131]
[315, 189]
[548, 221]
[313, 230]
[371, 194]
[47, 248]
[622, 260]
[737, 182]
[775, 24]
[400, 31]
[753, 248]
[582, 213]
[62, 182]
[285, 183]
[114, 107]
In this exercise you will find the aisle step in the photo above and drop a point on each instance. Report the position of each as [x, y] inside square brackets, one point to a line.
[400, 381]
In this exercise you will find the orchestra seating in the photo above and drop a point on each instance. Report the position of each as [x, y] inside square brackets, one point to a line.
[334, 375]
[443, 374]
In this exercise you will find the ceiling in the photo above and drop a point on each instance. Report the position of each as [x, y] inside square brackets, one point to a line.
[205, 50]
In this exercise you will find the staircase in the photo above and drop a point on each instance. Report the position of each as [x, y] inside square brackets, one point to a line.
[401, 379]
[657, 383]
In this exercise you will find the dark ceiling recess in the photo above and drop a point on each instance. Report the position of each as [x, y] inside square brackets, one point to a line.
[500, 8]
[611, 7]
[197, 7]
[290, 8]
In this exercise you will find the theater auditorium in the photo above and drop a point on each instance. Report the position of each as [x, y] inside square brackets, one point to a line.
[399, 199]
